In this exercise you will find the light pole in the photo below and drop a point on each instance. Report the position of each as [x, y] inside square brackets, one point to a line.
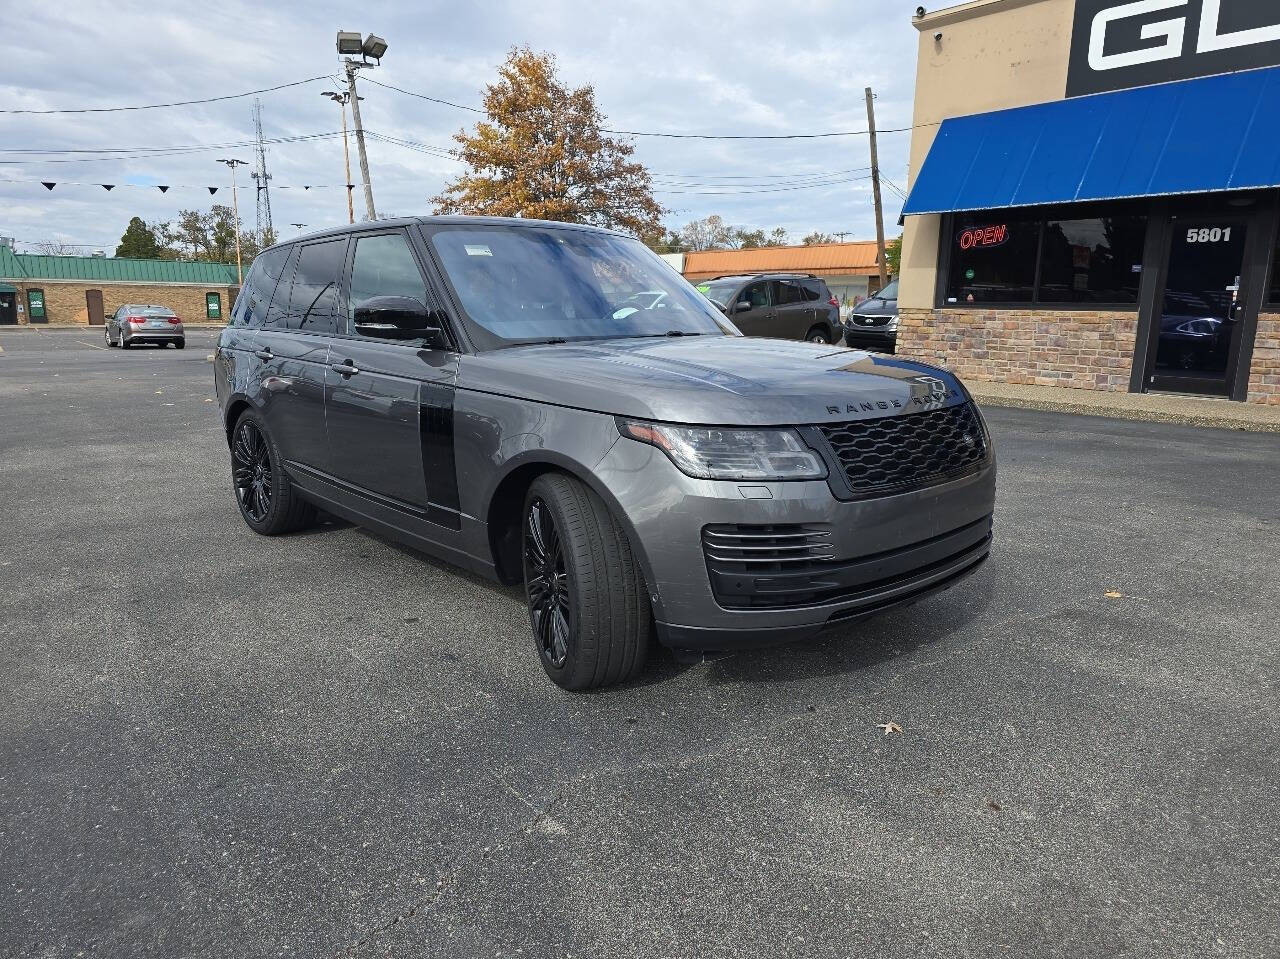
[350, 44]
[235, 206]
[341, 99]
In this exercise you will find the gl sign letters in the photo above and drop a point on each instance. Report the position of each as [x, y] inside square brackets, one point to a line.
[1119, 45]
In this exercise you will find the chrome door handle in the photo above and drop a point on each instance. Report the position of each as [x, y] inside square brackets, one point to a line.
[346, 369]
[264, 354]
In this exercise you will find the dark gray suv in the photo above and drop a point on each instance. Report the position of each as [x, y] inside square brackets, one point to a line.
[552, 405]
[788, 306]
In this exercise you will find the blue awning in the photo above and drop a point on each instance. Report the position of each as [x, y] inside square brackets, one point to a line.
[1195, 136]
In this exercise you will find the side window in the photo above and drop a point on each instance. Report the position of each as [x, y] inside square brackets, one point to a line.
[255, 297]
[757, 294]
[384, 265]
[787, 292]
[313, 303]
[812, 290]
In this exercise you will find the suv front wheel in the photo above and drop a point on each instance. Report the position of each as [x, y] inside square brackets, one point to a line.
[588, 605]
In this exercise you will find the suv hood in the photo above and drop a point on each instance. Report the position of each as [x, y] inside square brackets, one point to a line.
[713, 380]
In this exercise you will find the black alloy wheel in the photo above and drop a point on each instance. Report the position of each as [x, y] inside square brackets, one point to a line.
[547, 584]
[253, 474]
[818, 335]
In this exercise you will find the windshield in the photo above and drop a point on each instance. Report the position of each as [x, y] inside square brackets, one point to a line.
[890, 292]
[719, 291]
[532, 284]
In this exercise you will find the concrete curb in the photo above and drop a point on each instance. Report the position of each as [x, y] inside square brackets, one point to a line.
[1212, 413]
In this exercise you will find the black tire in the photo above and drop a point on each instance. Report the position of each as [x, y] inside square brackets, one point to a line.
[598, 603]
[263, 492]
[819, 334]
[180, 344]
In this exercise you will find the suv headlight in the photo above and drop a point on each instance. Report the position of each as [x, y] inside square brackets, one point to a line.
[893, 322]
[730, 454]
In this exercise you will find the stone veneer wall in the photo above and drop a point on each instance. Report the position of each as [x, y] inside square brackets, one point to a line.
[1264, 375]
[65, 305]
[1080, 349]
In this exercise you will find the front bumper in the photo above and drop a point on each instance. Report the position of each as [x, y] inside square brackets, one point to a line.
[869, 335]
[888, 551]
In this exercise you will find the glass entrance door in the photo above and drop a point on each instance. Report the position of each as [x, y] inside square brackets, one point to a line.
[1201, 307]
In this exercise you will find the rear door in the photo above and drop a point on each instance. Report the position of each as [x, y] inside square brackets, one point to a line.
[794, 313]
[759, 320]
[293, 346]
[389, 402]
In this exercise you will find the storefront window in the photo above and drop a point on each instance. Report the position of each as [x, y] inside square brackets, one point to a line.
[993, 260]
[1092, 261]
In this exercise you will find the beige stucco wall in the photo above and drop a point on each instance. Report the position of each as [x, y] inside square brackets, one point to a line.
[994, 54]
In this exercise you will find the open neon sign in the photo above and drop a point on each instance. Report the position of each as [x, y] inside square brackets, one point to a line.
[983, 237]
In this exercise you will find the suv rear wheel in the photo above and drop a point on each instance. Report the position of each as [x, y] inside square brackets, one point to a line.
[263, 491]
[818, 334]
[588, 606]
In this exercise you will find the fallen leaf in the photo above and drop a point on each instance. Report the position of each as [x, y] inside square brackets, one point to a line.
[993, 805]
[889, 728]
[158, 392]
[1113, 594]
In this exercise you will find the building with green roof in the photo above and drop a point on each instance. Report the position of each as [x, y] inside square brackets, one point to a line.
[82, 290]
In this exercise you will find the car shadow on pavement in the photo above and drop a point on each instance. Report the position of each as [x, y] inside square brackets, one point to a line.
[846, 648]
[852, 646]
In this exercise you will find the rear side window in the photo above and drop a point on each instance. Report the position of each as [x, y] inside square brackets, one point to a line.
[314, 301]
[787, 292]
[814, 290]
[255, 297]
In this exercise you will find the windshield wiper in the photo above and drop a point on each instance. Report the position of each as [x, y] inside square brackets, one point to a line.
[680, 333]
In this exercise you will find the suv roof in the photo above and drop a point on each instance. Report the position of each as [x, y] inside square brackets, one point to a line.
[768, 275]
[442, 220]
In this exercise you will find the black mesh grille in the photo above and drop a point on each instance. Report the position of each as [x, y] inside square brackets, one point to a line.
[898, 452]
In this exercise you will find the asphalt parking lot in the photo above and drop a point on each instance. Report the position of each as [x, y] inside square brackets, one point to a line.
[213, 744]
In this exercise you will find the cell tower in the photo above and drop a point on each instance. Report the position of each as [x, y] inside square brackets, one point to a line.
[266, 233]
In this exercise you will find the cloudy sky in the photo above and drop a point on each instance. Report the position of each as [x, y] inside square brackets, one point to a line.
[676, 67]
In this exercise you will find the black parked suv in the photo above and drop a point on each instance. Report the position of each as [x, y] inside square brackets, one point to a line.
[552, 405]
[873, 323]
[788, 306]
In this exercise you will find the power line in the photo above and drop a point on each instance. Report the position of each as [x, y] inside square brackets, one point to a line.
[151, 153]
[782, 189]
[670, 136]
[178, 103]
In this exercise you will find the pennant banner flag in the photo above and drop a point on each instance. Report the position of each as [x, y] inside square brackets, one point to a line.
[47, 185]
[212, 190]
[163, 189]
[108, 187]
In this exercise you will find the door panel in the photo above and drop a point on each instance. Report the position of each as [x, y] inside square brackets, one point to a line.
[292, 392]
[794, 313]
[759, 320]
[376, 419]
[390, 422]
[1196, 335]
[293, 346]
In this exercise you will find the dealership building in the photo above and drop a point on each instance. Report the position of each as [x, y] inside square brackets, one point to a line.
[1095, 195]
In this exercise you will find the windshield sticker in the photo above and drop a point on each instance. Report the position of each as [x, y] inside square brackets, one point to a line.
[478, 249]
[703, 287]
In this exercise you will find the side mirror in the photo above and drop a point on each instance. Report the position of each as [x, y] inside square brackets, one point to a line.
[742, 306]
[398, 318]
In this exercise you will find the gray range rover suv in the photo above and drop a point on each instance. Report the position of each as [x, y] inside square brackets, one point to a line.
[495, 393]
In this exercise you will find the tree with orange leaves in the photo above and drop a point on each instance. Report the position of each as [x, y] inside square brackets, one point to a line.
[542, 154]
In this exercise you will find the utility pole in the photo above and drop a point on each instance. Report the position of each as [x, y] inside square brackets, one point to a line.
[341, 99]
[266, 232]
[875, 190]
[352, 67]
[235, 206]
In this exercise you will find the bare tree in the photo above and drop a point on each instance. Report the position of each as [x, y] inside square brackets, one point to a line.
[56, 248]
